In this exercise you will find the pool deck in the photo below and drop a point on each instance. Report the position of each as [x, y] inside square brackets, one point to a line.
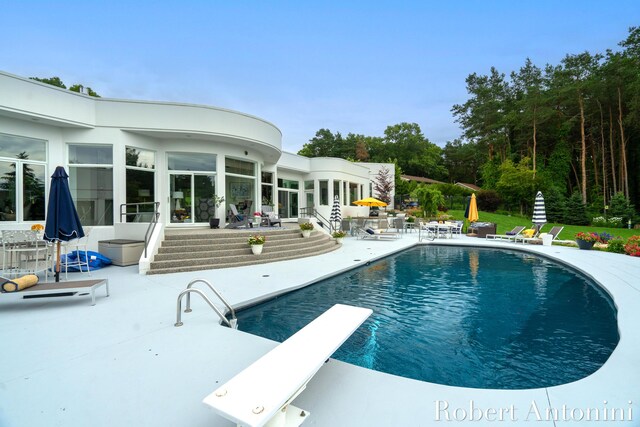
[122, 362]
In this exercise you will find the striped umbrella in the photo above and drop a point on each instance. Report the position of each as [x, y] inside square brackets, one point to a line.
[539, 214]
[336, 216]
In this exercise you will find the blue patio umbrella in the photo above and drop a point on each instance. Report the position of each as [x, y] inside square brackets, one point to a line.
[63, 223]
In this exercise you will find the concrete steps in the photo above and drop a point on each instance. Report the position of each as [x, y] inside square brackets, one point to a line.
[193, 250]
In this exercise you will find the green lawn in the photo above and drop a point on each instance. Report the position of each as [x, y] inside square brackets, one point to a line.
[507, 222]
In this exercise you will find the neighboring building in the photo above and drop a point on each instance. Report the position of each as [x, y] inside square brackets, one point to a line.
[420, 179]
[119, 152]
[471, 187]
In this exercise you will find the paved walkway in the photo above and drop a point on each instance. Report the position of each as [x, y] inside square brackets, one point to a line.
[123, 363]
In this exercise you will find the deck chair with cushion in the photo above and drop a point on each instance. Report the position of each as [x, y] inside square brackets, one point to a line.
[529, 233]
[371, 234]
[509, 235]
[269, 217]
[237, 219]
[538, 239]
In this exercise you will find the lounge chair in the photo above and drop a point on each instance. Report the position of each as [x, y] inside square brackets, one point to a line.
[371, 234]
[538, 239]
[237, 219]
[509, 236]
[56, 289]
[269, 217]
[528, 234]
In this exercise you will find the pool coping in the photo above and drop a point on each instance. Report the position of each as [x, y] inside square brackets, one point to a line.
[125, 353]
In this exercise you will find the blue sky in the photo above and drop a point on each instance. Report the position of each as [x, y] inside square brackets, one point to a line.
[349, 66]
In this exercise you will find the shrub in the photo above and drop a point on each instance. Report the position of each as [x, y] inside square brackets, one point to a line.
[599, 221]
[615, 221]
[488, 200]
[632, 247]
[339, 234]
[616, 245]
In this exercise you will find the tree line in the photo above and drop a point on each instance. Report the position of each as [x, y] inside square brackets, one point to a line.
[568, 129]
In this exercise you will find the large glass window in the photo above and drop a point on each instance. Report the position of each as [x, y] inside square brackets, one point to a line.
[240, 182]
[336, 189]
[141, 179]
[353, 191]
[324, 192]
[267, 188]
[22, 178]
[91, 182]
[288, 183]
[192, 162]
[239, 167]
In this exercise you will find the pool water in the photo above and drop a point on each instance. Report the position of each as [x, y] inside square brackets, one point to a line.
[470, 317]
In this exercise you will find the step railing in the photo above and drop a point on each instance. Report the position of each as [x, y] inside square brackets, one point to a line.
[232, 323]
[138, 216]
[322, 221]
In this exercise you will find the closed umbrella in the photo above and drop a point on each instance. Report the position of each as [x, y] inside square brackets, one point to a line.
[369, 201]
[539, 212]
[473, 209]
[63, 223]
[336, 215]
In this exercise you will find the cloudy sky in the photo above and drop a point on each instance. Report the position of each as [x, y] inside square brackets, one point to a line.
[349, 66]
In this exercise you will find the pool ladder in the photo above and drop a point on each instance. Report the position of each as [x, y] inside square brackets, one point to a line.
[232, 323]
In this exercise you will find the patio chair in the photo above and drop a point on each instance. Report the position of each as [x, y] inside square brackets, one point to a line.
[529, 234]
[28, 287]
[237, 219]
[509, 236]
[538, 239]
[269, 217]
[79, 261]
[371, 234]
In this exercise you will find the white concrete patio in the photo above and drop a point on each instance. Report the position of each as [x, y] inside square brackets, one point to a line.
[122, 362]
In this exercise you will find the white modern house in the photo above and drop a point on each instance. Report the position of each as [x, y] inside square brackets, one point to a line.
[120, 152]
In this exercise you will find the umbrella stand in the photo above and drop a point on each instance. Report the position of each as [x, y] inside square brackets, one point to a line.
[57, 274]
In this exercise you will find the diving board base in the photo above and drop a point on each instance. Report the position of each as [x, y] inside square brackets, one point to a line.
[290, 416]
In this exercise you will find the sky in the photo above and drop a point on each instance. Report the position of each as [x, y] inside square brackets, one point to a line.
[347, 66]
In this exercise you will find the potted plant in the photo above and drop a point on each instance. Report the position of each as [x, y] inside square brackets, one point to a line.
[217, 201]
[256, 242]
[306, 228]
[257, 218]
[339, 235]
[586, 240]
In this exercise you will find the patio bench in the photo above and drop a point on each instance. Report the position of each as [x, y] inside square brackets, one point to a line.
[262, 392]
[59, 289]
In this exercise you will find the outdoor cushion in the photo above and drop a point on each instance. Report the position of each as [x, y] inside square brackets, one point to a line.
[370, 231]
[20, 283]
[510, 233]
[529, 232]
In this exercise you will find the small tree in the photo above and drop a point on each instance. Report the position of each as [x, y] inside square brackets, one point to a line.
[383, 185]
[576, 211]
[429, 199]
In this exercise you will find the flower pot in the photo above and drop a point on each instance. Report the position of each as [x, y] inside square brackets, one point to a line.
[214, 222]
[584, 245]
[306, 233]
[256, 249]
[339, 240]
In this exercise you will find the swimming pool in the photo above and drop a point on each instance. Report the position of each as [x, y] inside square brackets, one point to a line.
[471, 317]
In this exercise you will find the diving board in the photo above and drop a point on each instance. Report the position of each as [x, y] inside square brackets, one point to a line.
[261, 394]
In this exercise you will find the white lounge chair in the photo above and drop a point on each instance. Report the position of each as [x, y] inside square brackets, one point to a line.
[371, 234]
[262, 393]
[510, 236]
[59, 289]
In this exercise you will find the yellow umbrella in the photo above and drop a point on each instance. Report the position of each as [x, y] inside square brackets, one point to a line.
[369, 201]
[473, 209]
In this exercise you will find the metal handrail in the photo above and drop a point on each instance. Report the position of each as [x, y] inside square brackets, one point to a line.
[313, 212]
[233, 323]
[152, 224]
